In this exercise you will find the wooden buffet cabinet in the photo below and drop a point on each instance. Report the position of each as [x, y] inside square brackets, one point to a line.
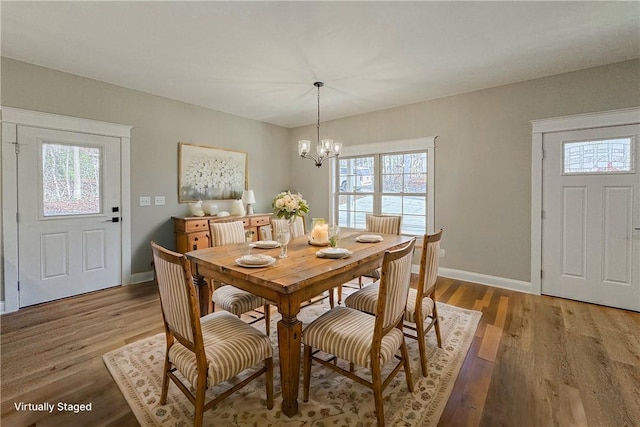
[193, 232]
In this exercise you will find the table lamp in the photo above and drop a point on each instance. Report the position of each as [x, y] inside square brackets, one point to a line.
[249, 199]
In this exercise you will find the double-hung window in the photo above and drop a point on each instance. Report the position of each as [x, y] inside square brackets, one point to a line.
[391, 179]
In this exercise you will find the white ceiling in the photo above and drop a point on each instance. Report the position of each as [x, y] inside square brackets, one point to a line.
[260, 59]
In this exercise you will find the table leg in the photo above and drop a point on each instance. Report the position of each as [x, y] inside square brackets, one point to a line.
[289, 339]
[205, 294]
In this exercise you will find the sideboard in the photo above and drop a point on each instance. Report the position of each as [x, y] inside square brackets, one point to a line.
[193, 232]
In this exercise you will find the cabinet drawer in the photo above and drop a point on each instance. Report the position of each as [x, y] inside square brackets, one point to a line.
[245, 222]
[197, 225]
[261, 220]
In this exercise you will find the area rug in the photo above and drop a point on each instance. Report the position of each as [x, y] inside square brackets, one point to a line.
[334, 400]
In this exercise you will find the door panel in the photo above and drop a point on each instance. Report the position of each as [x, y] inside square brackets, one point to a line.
[67, 185]
[591, 205]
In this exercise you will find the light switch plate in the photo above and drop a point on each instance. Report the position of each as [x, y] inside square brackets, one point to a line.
[159, 201]
[145, 201]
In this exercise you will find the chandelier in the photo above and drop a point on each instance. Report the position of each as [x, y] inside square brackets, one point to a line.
[325, 148]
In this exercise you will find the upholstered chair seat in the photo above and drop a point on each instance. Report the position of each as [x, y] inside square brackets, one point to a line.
[230, 346]
[348, 334]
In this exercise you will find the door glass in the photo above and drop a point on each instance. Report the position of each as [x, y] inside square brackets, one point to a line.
[600, 156]
[71, 179]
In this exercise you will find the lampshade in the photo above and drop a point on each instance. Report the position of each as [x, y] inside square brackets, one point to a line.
[248, 196]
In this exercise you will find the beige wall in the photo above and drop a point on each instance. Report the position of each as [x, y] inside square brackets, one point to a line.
[158, 125]
[483, 158]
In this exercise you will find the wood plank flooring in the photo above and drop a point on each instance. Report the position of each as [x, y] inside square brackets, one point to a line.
[535, 361]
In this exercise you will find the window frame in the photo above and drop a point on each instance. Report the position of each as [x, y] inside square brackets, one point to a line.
[388, 147]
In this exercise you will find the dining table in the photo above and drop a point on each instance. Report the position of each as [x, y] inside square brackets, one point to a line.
[288, 283]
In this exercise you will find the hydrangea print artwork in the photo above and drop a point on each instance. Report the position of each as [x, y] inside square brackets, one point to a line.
[211, 174]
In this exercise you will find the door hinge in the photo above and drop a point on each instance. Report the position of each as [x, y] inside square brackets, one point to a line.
[542, 214]
[542, 157]
[17, 217]
[18, 286]
[17, 147]
[541, 274]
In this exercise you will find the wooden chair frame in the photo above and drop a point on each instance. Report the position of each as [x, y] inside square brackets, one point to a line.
[197, 347]
[377, 383]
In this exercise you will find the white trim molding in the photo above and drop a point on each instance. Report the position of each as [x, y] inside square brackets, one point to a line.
[625, 116]
[145, 276]
[484, 279]
[11, 119]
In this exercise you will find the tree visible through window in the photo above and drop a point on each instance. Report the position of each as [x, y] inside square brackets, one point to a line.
[71, 183]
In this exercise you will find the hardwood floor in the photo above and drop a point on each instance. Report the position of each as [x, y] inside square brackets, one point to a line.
[535, 361]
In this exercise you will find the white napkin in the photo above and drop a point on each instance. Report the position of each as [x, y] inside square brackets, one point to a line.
[369, 238]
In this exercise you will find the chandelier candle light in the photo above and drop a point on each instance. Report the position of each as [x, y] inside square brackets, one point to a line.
[325, 148]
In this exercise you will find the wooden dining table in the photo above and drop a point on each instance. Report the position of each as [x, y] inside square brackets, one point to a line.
[288, 283]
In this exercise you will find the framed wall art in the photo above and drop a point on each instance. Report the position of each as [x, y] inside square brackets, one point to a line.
[209, 173]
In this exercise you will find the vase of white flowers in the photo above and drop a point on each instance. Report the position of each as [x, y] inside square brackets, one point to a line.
[289, 206]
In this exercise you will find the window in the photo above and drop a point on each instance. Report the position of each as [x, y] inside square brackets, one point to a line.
[70, 179]
[589, 157]
[391, 183]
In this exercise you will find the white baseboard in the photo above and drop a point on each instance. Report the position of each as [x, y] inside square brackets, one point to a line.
[484, 279]
[145, 276]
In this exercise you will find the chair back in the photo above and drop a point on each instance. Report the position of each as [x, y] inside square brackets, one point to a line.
[227, 233]
[265, 232]
[387, 224]
[429, 262]
[178, 299]
[296, 229]
[394, 286]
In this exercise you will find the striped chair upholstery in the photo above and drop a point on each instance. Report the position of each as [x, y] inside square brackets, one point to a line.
[265, 233]
[421, 302]
[207, 351]
[362, 339]
[296, 229]
[230, 298]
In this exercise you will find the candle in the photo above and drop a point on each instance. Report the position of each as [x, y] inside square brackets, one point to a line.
[320, 232]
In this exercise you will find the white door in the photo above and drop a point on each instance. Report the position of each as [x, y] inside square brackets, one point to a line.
[68, 214]
[591, 216]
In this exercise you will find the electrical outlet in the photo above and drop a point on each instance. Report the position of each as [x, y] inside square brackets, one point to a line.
[159, 201]
[145, 201]
[441, 253]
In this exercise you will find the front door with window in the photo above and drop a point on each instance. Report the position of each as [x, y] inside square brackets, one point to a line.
[69, 212]
[591, 205]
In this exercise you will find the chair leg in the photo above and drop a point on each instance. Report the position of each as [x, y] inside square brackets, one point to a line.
[267, 319]
[376, 382]
[339, 294]
[201, 389]
[422, 346]
[268, 381]
[165, 379]
[331, 298]
[360, 282]
[306, 379]
[407, 365]
[436, 324]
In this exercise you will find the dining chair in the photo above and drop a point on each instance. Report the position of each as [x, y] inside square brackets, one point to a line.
[265, 233]
[228, 297]
[364, 340]
[296, 228]
[386, 224]
[206, 351]
[421, 302]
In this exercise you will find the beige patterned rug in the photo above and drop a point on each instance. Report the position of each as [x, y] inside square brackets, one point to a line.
[334, 400]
